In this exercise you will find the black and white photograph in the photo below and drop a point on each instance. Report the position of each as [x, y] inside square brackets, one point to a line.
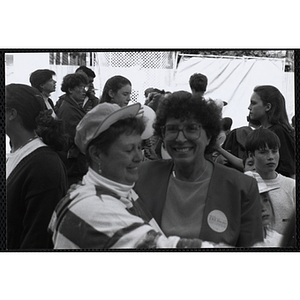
[177, 149]
[150, 150]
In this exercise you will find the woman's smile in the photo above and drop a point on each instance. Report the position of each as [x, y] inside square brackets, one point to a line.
[182, 149]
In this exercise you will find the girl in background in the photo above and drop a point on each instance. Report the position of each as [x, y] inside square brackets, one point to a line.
[117, 89]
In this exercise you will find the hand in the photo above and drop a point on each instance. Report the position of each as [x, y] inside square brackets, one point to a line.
[189, 243]
[221, 139]
[141, 112]
[222, 245]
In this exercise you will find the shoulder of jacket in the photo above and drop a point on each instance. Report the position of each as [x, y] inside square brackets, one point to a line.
[45, 158]
[231, 174]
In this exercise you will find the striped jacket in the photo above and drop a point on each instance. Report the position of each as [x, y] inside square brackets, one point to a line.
[102, 214]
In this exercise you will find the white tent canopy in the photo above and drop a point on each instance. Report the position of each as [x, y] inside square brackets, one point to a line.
[232, 79]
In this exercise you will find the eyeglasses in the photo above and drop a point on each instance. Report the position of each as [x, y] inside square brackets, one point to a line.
[83, 88]
[190, 131]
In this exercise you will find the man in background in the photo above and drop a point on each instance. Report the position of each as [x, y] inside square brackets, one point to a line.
[90, 100]
[198, 83]
[43, 80]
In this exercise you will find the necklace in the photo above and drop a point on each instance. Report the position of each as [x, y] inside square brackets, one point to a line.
[198, 177]
[28, 141]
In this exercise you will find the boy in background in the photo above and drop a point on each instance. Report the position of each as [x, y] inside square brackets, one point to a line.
[263, 146]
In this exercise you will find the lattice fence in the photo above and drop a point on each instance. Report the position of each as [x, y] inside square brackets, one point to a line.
[72, 58]
[143, 68]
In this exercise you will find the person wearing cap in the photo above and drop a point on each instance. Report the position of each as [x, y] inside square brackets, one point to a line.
[271, 237]
[103, 211]
[263, 146]
[189, 195]
[43, 80]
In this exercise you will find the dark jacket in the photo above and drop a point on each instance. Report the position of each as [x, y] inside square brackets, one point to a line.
[91, 102]
[287, 162]
[34, 188]
[71, 114]
[235, 141]
[230, 192]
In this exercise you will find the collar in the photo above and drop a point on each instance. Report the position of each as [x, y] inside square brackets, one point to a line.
[96, 179]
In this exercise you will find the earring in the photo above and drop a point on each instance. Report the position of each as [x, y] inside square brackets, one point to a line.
[99, 168]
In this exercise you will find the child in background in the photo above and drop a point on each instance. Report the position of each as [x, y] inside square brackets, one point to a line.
[248, 163]
[271, 237]
[263, 146]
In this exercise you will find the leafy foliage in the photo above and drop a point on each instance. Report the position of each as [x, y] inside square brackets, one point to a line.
[288, 54]
[233, 52]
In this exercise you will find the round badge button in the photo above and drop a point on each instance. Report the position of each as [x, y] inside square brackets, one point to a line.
[217, 221]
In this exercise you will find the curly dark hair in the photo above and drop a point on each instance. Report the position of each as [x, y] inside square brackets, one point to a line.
[51, 130]
[72, 80]
[183, 105]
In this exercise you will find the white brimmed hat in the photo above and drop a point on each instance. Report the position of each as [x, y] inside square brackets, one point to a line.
[100, 118]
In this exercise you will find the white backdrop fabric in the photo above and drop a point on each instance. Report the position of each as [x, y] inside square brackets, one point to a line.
[232, 80]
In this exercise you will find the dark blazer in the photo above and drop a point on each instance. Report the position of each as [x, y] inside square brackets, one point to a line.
[232, 213]
[71, 113]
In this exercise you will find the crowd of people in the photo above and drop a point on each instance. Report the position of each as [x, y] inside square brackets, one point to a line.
[82, 173]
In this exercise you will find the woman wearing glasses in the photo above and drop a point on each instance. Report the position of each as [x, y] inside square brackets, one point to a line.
[103, 211]
[189, 195]
[70, 110]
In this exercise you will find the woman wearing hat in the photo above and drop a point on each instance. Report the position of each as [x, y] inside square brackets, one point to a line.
[35, 176]
[103, 211]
